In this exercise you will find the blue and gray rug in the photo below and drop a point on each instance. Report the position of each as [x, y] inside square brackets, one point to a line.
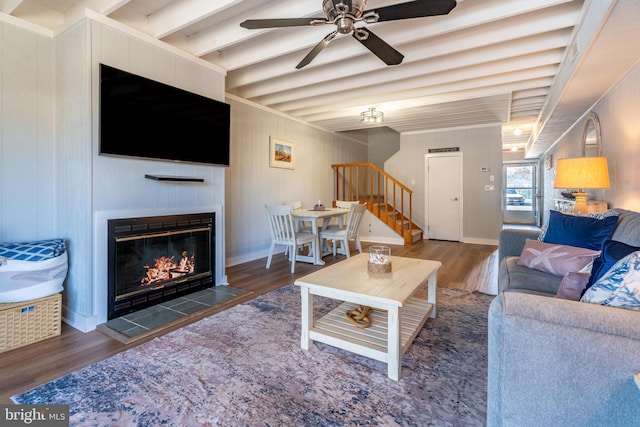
[244, 367]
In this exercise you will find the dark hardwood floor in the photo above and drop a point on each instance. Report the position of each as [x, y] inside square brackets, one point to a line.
[463, 266]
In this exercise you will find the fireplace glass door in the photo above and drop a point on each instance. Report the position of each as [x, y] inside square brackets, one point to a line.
[156, 259]
[150, 262]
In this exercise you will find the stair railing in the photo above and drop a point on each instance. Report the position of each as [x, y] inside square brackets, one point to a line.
[385, 196]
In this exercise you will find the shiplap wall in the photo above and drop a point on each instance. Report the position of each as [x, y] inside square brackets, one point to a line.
[252, 183]
[482, 148]
[618, 112]
[27, 146]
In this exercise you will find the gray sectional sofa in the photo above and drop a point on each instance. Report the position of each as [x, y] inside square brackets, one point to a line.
[557, 362]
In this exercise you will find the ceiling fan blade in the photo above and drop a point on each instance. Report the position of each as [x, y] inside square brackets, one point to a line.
[316, 50]
[414, 9]
[253, 24]
[378, 47]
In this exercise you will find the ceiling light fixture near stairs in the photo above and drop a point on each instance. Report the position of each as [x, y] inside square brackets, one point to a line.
[372, 116]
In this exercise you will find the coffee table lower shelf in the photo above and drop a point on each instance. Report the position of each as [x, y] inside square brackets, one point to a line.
[334, 329]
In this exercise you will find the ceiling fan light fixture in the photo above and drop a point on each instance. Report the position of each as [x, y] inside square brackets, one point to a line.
[371, 116]
[345, 25]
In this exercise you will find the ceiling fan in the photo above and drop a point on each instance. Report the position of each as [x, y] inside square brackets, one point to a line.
[346, 13]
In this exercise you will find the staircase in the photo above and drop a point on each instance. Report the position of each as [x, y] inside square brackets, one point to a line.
[386, 197]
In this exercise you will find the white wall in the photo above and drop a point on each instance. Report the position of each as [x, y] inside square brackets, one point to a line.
[482, 147]
[27, 146]
[618, 111]
[383, 143]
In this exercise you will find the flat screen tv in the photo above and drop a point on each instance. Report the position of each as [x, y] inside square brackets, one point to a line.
[144, 118]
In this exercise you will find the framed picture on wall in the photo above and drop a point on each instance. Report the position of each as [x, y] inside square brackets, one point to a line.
[548, 162]
[282, 154]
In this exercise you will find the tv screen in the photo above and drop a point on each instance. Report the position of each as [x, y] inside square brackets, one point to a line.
[144, 118]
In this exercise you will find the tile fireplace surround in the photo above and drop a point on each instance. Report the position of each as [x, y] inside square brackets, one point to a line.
[100, 251]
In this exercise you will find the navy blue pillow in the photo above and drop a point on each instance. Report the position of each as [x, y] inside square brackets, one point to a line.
[581, 231]
[612, 252]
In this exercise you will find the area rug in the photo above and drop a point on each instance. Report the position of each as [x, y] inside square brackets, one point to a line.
[244, 367]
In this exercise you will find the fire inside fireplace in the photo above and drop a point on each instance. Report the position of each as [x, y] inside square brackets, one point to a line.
[156, 259]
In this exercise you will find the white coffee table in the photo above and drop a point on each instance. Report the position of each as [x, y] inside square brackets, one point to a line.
[397, 316]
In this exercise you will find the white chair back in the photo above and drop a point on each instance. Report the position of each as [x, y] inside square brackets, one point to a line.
[355, 219]
[343, 204]
[283, 232]
[281, 224]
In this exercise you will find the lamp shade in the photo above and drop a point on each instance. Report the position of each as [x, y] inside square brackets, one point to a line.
[582, 172]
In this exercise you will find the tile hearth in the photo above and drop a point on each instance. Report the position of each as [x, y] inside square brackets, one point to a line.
[141, 322]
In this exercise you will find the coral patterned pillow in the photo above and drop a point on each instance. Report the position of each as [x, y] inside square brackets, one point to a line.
[620, 286]
[555, 259]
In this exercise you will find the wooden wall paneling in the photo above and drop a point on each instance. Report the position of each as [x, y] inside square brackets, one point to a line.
[26, 135]
[253, 183]
[73, 166]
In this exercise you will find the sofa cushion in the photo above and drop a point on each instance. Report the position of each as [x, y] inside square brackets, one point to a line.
[581, 231]
[520, 277]
[573, 285]
[555, 259]
[628, 228]
[612, 252]
[620, 286]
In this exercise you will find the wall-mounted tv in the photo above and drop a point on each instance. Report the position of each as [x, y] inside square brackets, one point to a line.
[144, 118]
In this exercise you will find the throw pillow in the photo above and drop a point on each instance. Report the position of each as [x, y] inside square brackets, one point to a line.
[581, 231]
[555, 259]
[599, 215]
[572, 285]
[620, 286]
[612, 252]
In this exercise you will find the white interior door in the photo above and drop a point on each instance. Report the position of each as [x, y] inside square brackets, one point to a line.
[443, 173]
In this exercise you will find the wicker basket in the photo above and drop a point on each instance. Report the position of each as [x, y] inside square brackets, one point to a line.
[26, 322]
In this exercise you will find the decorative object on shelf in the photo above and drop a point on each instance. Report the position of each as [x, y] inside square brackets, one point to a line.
[379, 259]
[582, 172]
[359, 316]
[569, 195]
[372, 116]
[593, 206]
[282, 154]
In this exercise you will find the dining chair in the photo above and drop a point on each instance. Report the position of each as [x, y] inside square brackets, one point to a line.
[342, 204]
[343, 235]
[346, 204]
[302, 226]
[283, 232]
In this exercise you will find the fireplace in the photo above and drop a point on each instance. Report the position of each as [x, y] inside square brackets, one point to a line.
[156, 259]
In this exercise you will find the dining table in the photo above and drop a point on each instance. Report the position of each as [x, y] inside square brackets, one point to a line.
[319, 219]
